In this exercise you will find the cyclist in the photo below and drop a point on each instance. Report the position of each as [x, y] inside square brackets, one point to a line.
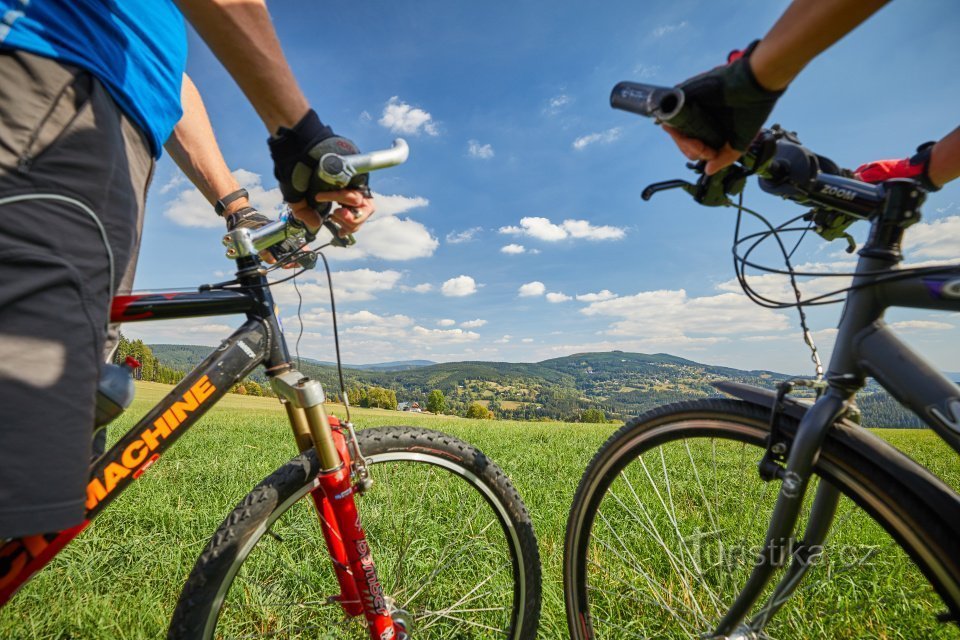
[89, 94]
[737, 98]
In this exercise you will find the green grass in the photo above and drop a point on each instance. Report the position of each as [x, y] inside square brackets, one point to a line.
[120, 579]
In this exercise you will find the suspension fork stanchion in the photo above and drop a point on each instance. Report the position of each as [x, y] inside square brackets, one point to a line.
[361, 591]
[806, 553]
[778, 545]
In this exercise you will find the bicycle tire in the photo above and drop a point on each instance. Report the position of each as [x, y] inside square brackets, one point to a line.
[490, 517]
[918, 513]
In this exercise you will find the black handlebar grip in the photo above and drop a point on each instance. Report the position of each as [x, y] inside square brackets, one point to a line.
[647, 100]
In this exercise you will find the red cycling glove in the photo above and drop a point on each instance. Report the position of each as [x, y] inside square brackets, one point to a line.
[916, 167]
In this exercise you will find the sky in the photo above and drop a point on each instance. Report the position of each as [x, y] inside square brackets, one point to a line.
[516, 231]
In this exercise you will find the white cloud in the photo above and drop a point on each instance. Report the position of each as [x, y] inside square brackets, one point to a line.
[505, 339]
[423, 287]
[556, 296]
[391, 205]
[527, 340]
[400, 117]
[512, 248]
[535, 288]
[176, 181]
[473, 324]
[673, 317]
[391, 238]
[190, 209]
[446, 335]
[543, 229]
[459, 287]
[353, 285]
[477, 150]
[368, 318]
[600, 296]
[456, 237]
[666, 29]
[934, 240]
[604, 137]
[446, 322]
[921, 325]
[556, 104]
[646, 70]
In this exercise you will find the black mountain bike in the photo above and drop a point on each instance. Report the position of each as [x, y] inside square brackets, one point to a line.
[768, 516]
[445, 550]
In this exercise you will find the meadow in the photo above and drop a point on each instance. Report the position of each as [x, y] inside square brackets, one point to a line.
[120, 579]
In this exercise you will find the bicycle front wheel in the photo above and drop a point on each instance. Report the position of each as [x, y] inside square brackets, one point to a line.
[451, 539]
[671, 515]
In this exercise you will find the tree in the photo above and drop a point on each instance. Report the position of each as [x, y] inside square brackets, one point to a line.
[593, 415]
[382, 398]
[478, 411]
[436, 402]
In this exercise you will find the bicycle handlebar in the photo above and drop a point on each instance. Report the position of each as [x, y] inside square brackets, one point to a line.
[784, 166]
[332, 168]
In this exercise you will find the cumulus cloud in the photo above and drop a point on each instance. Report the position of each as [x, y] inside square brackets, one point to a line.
[936, 240]
[446, 322]
[512, 248]
[556, 296]
[392, 205]
[477, 150]
[527, 340]
[676, 318]
[603, 137]
[423, 287]
[446, 335]
[473, 324]
[459, 287]
[597, 297]
[504, 340]
[535, 288]
[391, 238]
[543, 229]
[400, 117]
[349, 285]
[921, 325]
[456, 237]
[190, 209]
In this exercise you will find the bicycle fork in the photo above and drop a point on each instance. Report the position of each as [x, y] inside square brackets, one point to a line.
[779, 544]
[360, 589]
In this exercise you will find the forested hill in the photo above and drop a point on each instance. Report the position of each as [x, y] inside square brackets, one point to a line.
[618, 383]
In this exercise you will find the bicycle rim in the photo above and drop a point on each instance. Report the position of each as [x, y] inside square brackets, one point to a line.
[447, 550]
[671, 517]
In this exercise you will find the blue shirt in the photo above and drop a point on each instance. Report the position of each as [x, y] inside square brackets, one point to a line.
[136, 48]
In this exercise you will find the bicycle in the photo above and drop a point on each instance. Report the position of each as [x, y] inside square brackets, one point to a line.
[456, 555]
[678, 527]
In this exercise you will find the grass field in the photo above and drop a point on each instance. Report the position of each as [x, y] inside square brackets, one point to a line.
[120, 579]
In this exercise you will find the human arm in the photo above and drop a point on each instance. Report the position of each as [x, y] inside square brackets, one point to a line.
[806, 29]
[934, 164]
[193, 147]
[242, 37]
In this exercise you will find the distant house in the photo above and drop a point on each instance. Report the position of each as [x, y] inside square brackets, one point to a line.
[409, 406]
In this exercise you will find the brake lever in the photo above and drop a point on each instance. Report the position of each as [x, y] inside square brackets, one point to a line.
[667, 185]
[337, 241]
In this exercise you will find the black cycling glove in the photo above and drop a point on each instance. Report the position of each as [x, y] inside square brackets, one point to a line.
[725, 104]
[296, 153]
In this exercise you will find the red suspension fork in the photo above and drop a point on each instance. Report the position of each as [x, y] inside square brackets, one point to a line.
[360, 589]
[336, 496]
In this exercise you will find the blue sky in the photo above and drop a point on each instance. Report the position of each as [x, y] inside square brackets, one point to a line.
[516, 230]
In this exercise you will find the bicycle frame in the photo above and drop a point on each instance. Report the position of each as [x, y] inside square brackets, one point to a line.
[258, 341]
[865, 346]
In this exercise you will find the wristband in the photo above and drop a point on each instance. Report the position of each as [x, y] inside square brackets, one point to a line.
[228, 199]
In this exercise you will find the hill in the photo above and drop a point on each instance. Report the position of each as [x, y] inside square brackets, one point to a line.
[619, 383]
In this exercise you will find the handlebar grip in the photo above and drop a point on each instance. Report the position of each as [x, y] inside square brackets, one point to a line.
[647, 100]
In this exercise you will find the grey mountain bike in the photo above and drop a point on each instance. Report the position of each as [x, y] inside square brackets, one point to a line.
[766, 515]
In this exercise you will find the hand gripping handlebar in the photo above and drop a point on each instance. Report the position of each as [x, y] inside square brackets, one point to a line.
[333, 168]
